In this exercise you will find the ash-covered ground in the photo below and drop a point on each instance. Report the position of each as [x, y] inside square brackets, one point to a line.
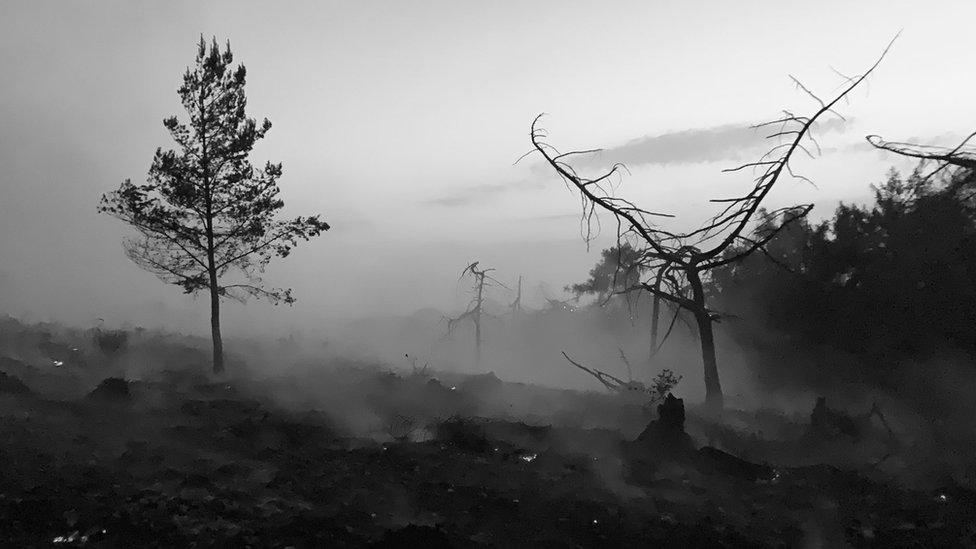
[345, 454]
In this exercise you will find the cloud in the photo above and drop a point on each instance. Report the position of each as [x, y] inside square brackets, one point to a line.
[692, 146]
[552, 218]
[720, 143]
[481, 193]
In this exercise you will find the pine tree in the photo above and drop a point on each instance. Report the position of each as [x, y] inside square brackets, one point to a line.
[206, 217]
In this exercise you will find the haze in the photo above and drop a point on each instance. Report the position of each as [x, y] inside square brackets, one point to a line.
[400, 123]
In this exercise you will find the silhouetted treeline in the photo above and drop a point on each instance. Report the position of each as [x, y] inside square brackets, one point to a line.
[865, 292]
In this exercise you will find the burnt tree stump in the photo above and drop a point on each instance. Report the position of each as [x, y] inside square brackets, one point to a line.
[667, 432]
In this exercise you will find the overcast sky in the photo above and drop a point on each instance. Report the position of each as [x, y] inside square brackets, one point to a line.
[400, 123]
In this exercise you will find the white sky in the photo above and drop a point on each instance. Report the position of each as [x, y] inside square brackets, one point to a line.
[400, 122]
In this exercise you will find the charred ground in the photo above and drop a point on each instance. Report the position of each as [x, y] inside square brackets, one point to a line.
[353, 454]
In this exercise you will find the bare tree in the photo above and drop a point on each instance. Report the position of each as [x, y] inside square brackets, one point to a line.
[517, 304]
[962, 156]
[661, 385]
[681, 262]
[475, 311]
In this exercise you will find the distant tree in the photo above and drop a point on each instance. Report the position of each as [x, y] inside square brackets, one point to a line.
[517, 304]
[475, 311]
[619, 268]
[682, 262]
[205, 213]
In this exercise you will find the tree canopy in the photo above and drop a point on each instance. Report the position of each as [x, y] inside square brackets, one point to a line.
[894, 278]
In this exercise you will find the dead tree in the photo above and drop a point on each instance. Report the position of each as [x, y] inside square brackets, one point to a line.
[657, 390]
[475, 311]
[517, 304]
[681, 262]
[960, 157]
[610, 381]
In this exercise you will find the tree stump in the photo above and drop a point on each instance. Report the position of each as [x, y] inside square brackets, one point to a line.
[667, 432]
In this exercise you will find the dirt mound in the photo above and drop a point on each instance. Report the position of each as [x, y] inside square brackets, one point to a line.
[111, 389]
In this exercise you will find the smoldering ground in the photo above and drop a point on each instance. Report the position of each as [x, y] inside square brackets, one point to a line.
[428, 446]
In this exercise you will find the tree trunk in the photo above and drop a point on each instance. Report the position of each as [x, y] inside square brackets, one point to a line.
[714, 400]
[477, 321]
[655, 315]
[517, 305]
[218, 343]
[477, 341]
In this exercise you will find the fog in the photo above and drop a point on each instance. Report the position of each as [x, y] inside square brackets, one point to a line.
[402, 127]
[406, 144]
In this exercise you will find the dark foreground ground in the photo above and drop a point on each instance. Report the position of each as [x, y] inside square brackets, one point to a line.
[414, 460]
